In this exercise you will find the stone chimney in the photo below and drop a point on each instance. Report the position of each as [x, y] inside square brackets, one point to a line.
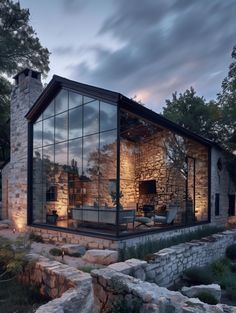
[27, 89]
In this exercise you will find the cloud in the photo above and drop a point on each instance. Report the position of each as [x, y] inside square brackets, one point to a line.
[73, 6]
[174, 44]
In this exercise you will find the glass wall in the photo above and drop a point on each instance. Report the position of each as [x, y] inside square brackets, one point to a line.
[74, 162]
[163, 176]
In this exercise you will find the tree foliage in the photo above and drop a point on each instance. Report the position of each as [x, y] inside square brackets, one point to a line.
[193, 113]
[19, 48]
[227, 102]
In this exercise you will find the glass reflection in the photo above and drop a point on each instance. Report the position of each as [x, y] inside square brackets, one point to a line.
[91, 118]
[75, 99]
[61, 154]
[38, 134]
[108, 148]
[37, 165]
[61, 101]
[108, 116]
[91, 156]
[75, 123]
[75, 154]
[49, 111]
[48, 162]
[61, 122]
[87, 99]
[48, 131]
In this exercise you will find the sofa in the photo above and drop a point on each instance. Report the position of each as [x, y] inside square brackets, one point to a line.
[102, 215]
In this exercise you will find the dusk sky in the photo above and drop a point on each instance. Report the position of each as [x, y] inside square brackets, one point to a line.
[145, 48]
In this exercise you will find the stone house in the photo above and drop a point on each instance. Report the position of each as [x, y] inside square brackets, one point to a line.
[90, 163]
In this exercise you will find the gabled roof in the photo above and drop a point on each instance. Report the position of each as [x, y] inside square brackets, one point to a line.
[59, 82]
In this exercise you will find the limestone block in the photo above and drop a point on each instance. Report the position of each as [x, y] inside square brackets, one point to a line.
[73, 248]
[104, 257]
[193, 291]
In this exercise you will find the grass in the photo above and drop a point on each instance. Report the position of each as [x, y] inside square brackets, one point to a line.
[17, 298]
[88, 268]
[144, 251]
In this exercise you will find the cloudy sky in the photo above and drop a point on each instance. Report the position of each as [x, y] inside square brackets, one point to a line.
[145, 48]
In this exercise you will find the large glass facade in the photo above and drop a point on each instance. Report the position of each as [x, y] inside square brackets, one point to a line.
[74, 162]
[163, 176]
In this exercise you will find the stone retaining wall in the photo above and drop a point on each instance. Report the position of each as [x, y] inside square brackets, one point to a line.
[111, 287]
[100, 243]
[168, 264]
[53, 278]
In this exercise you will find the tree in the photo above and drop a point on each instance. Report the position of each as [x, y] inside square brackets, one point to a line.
[227, 102]
[19, 48]
[193, 113]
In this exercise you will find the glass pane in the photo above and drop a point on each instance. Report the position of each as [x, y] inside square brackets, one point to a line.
[107, 189]
[108, 148]
[48, 164]
[75, 123]
[61, 154]
[48, 131]
[88, 99]
[49, 111]
[91, 118]
[75, 156]
[90, 198]
[38, 134]
[61, 122]
[75, 99]
[108, 116]
[61, 101]
[37, 166]
[90, 157]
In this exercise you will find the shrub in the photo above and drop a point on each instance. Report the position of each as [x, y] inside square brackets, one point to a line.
[220, 267]
[55, 252]
[207, 298]
[122, 305]
[36, 238]
[228, 280]
[75, 254]
[231, 252]
[149, 247]
[199, 275]
[231, 292]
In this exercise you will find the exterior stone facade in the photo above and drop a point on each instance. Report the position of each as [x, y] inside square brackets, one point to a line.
[221, 184]
[27, 89]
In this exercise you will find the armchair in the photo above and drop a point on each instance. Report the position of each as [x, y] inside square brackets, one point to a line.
[168, 218]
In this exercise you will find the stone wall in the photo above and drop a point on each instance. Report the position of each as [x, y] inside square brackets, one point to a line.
[168, 264]
[52, 277]
[110, 288]
[23, 97]
[222, 184]
[5, 171]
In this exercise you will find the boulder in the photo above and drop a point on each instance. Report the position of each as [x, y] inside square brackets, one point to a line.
[104, 257]
[193, 291]
[73, 248]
